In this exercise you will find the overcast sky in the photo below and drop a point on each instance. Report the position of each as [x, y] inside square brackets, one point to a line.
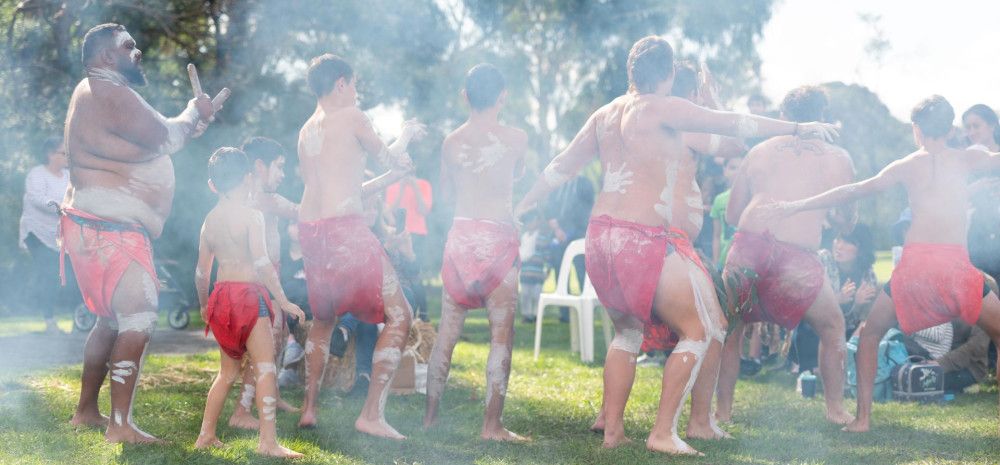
[949, 48]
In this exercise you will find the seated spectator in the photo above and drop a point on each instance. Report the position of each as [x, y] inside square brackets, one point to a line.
[535, 242]
[849, 265]
[398, 243]
[963, 352]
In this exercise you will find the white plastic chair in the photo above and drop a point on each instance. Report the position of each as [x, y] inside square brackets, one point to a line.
[583, 305]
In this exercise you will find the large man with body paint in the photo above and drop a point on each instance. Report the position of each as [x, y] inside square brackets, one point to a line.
[122, 187]
[777, 261]
[934, 281]
[345, 265]
[639, 257]
[478, 163]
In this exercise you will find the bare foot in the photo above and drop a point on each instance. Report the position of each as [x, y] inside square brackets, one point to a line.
[719, 432]
[502, 435]
[131, 435]
[704, 432]
[429, 420]
[856, 426]
[377, 428]
[308, 419]
[613, 440]
[672, 445]
[278, 451]
[598, 426]
[243, 420]
[723, 418]
[89, 419]
[286, 407]
[205, 442]
[839, 418]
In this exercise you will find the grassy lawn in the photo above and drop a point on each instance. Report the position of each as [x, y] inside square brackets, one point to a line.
[553, 401]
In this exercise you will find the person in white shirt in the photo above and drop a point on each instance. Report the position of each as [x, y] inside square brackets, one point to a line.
[46, 183]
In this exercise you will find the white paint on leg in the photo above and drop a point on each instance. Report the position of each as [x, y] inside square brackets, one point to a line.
[629, 340]
[143, 322]
[246, 398]
[264, 369]
[149, 289]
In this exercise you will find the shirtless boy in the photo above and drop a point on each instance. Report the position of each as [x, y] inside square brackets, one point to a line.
[268, 159]
[345, 265]
[122, 180]
[239, 310]
[934, 281]
[481, 261]
[639, 257]
[777, 260]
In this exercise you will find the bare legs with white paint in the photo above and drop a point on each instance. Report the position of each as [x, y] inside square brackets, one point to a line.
[501, 308]
[388, 351]
[261, 354]
[134, 304]
[449, 330]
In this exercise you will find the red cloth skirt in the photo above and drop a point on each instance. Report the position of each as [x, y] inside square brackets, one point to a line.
[478, 255]
[100, 251]
[233, 310]
[787, 278]
[624, 261]
[342, 259]
[934, 284]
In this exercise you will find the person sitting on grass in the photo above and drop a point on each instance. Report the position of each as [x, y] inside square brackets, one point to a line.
[239, 310]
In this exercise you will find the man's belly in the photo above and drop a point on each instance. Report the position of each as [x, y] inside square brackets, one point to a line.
[137, 193]
[115, 205]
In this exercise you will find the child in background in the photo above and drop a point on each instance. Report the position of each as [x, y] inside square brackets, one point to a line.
[533, 251]
[239, 310]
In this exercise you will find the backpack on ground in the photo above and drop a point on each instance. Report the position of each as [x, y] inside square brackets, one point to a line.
[891, 355]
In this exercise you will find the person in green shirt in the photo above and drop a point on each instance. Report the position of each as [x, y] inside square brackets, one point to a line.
[723, 231]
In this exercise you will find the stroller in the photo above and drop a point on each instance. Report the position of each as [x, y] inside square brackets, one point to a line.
[172, 298]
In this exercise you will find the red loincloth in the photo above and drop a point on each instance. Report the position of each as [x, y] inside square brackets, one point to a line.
[100, 252]
[934, 284]
[787, 278]
[233, 310]
[342, 259]
[624, 261]
[479, 254]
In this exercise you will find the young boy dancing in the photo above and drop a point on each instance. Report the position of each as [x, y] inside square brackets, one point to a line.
[239, 310]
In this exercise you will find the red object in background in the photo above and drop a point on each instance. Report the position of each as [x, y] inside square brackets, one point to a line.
[407, 199]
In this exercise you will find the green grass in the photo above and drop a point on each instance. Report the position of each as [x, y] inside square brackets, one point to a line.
[553, 401]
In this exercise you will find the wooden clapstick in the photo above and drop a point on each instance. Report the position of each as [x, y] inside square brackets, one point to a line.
[221, 98]
[195, 81]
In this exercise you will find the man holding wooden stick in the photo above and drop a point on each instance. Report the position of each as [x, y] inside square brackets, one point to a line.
[122, 180]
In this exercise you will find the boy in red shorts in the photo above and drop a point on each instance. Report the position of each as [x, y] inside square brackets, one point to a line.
[239, 310]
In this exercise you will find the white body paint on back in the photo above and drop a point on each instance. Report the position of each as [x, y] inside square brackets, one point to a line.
[312, 140]
[617, 180]
[485, 157]
[666, 206]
